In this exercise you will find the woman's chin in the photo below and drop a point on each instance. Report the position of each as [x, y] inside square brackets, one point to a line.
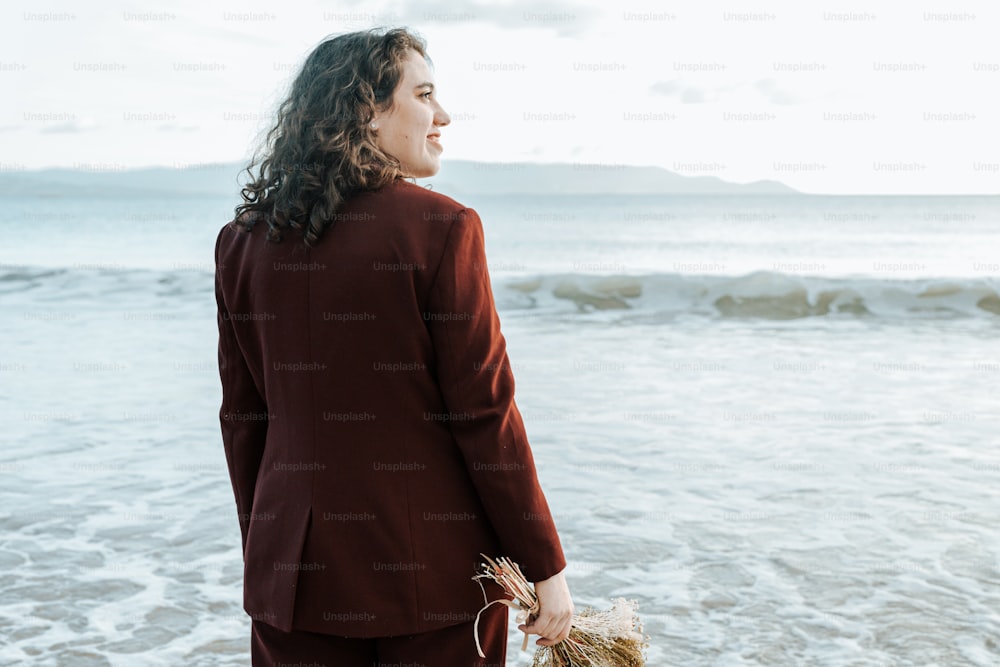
[425, 171]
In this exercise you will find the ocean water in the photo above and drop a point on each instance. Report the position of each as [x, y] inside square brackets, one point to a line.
[771, 420]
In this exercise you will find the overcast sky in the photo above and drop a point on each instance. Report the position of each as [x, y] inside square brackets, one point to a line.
[836, 97]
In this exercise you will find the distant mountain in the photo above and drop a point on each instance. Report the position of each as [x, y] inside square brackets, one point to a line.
[463, 177]
[457, 178]
[205, 180]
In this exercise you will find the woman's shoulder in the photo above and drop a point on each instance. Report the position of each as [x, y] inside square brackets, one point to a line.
[422, 196]
[246, 221]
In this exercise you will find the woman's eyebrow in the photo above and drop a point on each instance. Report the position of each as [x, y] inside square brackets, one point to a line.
[425, 84]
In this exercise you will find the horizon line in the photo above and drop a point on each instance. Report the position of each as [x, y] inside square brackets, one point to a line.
[109, 168]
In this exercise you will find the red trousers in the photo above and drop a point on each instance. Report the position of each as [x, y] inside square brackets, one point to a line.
[452, 646]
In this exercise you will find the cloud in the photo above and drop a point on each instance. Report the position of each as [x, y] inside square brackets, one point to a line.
[174, 127]
[691, 95]
[686, 94]
[565, 19]
[769, 89]
[665, 87]
[70, 127]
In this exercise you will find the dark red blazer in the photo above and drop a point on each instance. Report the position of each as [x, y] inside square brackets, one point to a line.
[368, 419]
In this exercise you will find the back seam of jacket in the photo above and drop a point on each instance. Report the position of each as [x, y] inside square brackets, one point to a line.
[312, 380]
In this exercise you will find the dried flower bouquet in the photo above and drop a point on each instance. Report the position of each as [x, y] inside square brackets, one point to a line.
[611, 638]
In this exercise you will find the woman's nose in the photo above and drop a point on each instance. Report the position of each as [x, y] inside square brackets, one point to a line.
[441, 117]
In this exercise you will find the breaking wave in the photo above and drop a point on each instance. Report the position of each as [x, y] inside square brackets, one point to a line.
[761, 294]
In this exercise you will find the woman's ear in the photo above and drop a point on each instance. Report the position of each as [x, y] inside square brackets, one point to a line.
[380, 114]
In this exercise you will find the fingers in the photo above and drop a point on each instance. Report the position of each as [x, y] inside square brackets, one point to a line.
[555, 614]
[552, 641]
[553, 628]
[546, 642]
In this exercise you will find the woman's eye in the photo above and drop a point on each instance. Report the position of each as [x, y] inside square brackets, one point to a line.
[427, 94]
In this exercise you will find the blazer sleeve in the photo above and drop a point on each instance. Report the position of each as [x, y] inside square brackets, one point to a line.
[477, 385]
[243, 414]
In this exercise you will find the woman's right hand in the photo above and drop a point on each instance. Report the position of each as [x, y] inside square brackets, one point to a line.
[555, 611]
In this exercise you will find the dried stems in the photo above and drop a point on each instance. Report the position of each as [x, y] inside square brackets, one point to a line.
[611, 638]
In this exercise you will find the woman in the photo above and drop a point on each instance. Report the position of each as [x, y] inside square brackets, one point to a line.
[368, 416]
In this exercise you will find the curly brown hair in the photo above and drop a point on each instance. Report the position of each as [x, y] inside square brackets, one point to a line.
[321, 149]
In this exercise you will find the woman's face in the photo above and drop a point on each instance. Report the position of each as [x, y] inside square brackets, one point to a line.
[409, 130]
